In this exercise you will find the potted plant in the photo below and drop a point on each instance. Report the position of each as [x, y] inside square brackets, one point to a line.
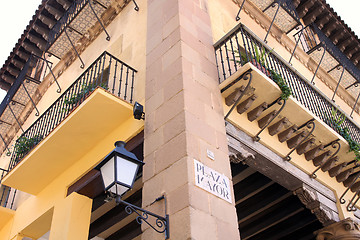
[259, 61]
[85, 91]
[25, 144]
[335, 122]
[278, 79]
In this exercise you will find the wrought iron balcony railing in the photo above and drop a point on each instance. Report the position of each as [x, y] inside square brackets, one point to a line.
[21, 92]
[240, 46]
[106, 72]
[7, 194]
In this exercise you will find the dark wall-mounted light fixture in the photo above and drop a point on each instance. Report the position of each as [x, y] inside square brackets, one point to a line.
[119, 170]
[138, 111]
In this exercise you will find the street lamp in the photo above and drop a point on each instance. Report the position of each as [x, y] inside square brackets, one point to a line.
[119, 170]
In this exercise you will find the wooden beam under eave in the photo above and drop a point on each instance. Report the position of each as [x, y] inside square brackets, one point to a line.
[303, 8]
[46, 20]
[38, 41]
[335, 36]
[7, 77]
[113, 216]
[54, 11]
[330, 26]
[17, 62]
[32, 48]
[5, 86]
[65, 3]
[355, 57]
[40, 28]
[313, 14]
[322, 20]
[296, 3]
[13, 70]
[343, 44]
[23, 54]
[351, 49]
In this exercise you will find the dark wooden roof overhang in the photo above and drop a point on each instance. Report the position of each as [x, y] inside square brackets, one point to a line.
[33, 40]
[327, 20]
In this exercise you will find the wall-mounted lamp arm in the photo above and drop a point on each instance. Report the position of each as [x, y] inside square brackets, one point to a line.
[162, 223]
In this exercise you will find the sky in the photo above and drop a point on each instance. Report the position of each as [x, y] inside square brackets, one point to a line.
[16, 14]
[348, 10]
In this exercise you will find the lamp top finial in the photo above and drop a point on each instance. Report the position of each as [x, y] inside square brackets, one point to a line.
[120, 144]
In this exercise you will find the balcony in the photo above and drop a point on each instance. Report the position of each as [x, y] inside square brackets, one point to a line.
[92, 107]
[22, 91]
[305, 128]
[106, 72]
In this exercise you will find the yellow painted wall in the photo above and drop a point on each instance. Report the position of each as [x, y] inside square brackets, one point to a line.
[55, 192]
[127, 43]
[71, 218]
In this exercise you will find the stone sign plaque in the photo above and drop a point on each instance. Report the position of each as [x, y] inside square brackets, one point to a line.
[212, 181]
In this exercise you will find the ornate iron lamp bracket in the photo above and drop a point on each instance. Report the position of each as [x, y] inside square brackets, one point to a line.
[162, 223]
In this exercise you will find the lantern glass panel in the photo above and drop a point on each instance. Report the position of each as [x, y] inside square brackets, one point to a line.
[126, 171]
[108, 172]
[118, 189]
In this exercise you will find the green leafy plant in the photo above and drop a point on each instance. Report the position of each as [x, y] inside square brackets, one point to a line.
[260, 57]
[336, 120]
[25, 144]
[85, 90]
[285, 89]
[240, 57]
[261, 54]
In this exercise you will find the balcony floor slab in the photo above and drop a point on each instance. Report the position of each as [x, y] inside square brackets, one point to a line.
[267, 91]
[81, 131]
